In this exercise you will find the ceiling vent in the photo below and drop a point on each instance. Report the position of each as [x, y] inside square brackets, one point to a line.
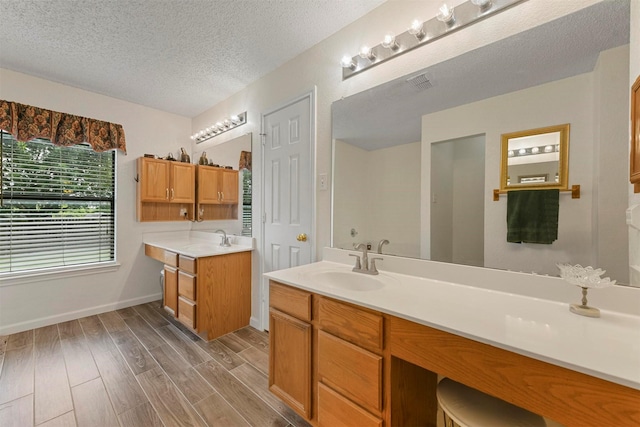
[420, 82]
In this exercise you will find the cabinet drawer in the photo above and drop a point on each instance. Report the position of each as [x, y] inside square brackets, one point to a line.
[292, 301]
[187, 312]
[187, 285]
[162, 255]
[352, 371]
[353, 324]
[187, 264]
[336, 411]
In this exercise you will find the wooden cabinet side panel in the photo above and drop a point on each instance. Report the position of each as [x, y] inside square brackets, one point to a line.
[354, 324]
[336, 411]
[350, 370]
[171, 289]
[224, 293]
[292, 301]
[564, 395]
[290, 361]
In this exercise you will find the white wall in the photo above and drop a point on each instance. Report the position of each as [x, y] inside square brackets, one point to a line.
[391, 175]
[35, 302]
[611, 146]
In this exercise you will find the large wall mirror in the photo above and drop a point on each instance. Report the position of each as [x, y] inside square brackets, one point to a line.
[415, 160]
[235, 154]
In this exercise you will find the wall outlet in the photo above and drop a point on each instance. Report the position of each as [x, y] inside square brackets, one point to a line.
[183, 212]
[322, 181]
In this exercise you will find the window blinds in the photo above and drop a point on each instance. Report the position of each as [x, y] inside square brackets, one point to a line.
[58, 205]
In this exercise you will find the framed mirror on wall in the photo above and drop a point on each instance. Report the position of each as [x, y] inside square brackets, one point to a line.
[535, 159]
[635, 136]
[387, 140]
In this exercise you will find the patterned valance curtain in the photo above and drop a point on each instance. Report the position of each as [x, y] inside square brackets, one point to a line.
[245, 160]
[26, 122]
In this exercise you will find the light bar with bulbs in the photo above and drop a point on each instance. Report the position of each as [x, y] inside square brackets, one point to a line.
[448, 20]
[220, 127]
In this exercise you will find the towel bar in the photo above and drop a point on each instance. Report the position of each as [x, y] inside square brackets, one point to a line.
[575, 192]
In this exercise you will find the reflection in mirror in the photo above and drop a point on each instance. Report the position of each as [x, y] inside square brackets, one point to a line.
[235, 154]
[535, 158]
[391, 154]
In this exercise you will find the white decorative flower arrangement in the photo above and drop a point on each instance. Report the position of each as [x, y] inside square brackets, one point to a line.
[584, 277]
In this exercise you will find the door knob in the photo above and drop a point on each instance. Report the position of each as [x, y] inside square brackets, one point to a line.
[302, 237]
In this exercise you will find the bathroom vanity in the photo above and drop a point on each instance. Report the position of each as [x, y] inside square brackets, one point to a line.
[353, 349]
[207, 287]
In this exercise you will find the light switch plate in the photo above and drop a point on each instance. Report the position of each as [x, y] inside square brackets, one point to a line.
[322, 181]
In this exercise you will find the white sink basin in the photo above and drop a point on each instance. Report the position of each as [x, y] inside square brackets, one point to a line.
[347, 280]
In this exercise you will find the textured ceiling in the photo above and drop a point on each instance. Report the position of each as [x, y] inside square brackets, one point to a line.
[390, 114]
[180, 56]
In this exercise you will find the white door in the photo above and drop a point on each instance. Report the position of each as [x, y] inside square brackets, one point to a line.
[288, 142]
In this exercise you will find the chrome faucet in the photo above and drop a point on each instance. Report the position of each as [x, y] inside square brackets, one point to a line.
[225, 240]
[382, 242]
[364, 267]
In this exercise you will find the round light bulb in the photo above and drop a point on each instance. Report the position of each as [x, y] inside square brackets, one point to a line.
[522, 151]
[511, 153]
[367, 53]
[548, 149]
[417, 29]
[445, 14]
[389, 41]
[347, 62]
[535, 150]
[482, 4]
[235, 120]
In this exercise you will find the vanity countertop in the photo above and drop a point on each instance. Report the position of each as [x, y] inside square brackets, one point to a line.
[197, 244]
[607, 347]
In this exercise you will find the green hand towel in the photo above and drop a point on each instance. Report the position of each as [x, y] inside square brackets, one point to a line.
[532, 216]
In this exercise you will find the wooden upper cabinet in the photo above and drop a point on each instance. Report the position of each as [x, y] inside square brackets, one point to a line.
[635, 136]
[183, 183]
[217, 186]
[166, 181]
[154, 176]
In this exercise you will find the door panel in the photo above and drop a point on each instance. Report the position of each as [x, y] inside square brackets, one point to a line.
[288, 197]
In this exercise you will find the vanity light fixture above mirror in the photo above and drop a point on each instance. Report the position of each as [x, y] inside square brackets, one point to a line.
[220, 127]
[448, 19]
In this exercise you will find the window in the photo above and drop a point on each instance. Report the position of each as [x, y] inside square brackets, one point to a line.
[58, 206]
[246, 202]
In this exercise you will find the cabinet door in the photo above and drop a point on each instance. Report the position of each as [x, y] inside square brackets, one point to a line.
[208, 185]
[153, 175]
[171, 289]
[290, 361]
[183, 183]
[229, 187]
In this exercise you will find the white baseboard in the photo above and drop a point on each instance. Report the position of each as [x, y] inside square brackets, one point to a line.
[254, 322]
[77, 314]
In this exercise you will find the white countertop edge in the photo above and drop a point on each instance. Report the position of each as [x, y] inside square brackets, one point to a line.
[198, 244]
[290, 277]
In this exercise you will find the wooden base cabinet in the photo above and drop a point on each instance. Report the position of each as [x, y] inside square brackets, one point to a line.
[210, 295]
[290, 361]
[325, 358]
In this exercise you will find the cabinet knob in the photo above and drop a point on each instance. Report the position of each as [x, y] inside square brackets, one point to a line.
[302, 237]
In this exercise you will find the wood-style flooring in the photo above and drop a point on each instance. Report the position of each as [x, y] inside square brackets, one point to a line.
[136, 367]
